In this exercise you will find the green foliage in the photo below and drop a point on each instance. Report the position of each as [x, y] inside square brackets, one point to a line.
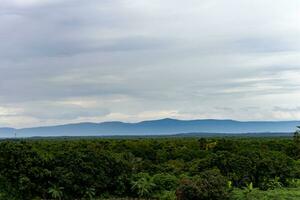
[89, 193]
[270, 184]
[277, 194]
[188, 190]
[56, 192]
[143, 184]
[27, 172]
[166, 195]
[209, 185]
[147, 168]
[165, 182]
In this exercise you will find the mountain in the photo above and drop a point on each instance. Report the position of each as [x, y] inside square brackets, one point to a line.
[155, 127]
[7, 132]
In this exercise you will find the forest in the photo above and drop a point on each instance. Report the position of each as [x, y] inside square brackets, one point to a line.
[150, 168]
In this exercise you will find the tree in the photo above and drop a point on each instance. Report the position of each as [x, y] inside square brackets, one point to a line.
[56, 192]
[143, 184]
[90, 193]
[210, 185]
[164, 182]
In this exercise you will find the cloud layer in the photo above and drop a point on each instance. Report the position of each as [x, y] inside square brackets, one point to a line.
[67, 61]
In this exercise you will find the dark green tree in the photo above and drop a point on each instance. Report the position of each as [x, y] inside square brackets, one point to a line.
[209, 185]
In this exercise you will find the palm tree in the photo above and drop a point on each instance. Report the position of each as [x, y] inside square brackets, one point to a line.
[143, 185]
[56, 192]
[90, 193]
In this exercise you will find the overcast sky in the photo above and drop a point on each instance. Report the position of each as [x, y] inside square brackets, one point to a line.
[64, 61]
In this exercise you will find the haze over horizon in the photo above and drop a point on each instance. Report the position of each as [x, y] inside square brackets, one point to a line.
[69, 61]
[167, 121]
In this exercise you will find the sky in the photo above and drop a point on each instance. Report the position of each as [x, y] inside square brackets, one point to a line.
[69, 61]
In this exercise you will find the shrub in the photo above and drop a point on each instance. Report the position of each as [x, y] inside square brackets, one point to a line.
[270, 184]
[167, 195]
[165, 182]
[188, 190]
[209, 185]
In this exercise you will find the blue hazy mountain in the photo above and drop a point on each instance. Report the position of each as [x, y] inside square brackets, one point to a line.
[7, 132]
[155, 127]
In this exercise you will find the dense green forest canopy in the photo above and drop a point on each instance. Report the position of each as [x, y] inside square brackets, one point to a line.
[182, 168]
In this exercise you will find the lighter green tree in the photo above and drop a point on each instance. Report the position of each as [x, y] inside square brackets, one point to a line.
[56, 192]
[143, 185]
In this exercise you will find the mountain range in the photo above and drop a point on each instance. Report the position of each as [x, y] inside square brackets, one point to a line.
[154, 127]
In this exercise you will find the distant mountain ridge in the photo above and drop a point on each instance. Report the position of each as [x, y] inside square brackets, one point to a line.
[155, 127]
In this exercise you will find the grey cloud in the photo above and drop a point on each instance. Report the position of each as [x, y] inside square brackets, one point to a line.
[264, 44]
[286, 109]
[199, 59]
[64, 113]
